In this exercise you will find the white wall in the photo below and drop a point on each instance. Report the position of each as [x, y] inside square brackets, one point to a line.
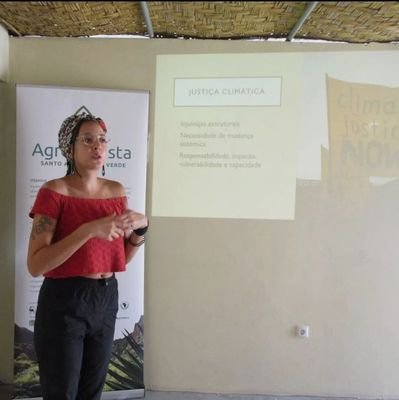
[222, 296]
[4, 54]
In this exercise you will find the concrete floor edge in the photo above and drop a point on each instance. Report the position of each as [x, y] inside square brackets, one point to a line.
[175, 395]
[6, 394]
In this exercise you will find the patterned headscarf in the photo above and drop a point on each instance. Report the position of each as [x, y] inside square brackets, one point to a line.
[67, 133]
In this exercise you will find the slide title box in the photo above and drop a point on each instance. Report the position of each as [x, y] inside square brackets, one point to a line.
[213, 92]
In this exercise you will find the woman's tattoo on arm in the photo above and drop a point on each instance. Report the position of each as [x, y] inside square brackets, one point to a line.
[44, 224]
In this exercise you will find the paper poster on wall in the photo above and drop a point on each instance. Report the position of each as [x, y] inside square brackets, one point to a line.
[40, 112]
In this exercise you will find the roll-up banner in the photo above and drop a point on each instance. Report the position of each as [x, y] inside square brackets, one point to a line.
[40, 112]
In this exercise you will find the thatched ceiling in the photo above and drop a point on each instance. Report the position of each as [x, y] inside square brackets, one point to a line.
[345, 21]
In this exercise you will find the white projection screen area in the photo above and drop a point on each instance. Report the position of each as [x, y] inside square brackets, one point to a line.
[236, 135]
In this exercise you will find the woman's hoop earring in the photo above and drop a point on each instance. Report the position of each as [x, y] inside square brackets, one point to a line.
[103, 171]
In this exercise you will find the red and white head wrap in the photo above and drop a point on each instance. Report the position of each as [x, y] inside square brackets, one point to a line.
[67, 133]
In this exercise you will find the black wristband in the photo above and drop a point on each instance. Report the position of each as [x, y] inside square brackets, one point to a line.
[141, 231]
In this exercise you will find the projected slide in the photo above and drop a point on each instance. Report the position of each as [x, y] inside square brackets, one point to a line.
[225, 136]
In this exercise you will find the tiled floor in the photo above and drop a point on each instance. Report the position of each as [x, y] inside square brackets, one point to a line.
[155, 395]
[6, 394]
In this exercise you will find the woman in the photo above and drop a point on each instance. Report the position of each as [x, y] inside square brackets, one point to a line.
[82, 233]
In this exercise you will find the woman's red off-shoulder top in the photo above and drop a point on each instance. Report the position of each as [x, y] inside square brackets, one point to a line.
[96, 255]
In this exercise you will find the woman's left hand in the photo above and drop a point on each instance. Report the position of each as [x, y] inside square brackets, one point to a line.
[133, 220]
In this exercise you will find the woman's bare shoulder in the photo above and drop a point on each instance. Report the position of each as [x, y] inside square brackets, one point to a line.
[114, 188]
[57, 185]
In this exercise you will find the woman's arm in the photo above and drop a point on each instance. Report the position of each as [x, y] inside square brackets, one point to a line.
[133, 221]
[132, 240]
[44, 256]
[132, 245]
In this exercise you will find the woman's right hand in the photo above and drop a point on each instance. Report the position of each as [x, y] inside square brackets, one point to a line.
[107, 228]
[44, 255]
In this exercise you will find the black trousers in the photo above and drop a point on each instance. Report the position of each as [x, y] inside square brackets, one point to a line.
[73, 336]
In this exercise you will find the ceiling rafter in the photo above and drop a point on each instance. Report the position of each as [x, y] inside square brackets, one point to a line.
[147, 18]
[311, 6]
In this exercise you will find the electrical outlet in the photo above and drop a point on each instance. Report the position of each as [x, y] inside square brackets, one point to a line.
[302, 331]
